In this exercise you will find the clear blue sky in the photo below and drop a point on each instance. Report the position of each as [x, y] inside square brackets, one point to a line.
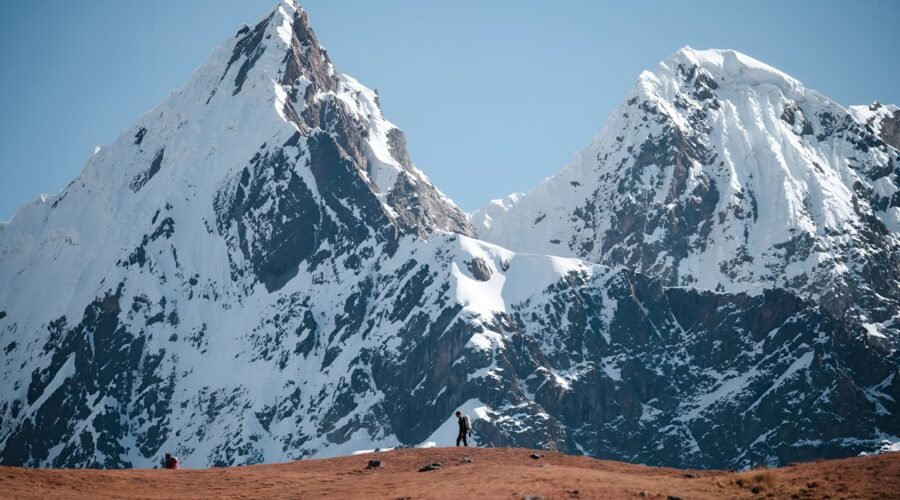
[493, 95]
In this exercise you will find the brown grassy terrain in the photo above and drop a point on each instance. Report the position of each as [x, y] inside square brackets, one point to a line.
[491, 473]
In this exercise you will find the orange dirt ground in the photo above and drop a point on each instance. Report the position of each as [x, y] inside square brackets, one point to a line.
[493, 473]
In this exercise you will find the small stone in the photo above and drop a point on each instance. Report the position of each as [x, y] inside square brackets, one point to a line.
[467, 460]
[642, 493]
[535, 456]
[375, 464]
[532, 497]
[812, 485]
[673, 497]
[377, 450]
[430, 467]
[690, 475]
[755, 489]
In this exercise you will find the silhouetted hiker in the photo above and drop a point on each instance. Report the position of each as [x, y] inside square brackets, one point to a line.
[464, 428]
[170, 462]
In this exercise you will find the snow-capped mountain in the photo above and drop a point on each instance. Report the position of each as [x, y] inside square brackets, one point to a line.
[268, 168]
[255, 271]
[722, 173]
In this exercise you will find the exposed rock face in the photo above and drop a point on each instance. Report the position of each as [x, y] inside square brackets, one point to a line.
[890, 129]
[256, 272]
[883, 120]
[479, 269]
[415, 201]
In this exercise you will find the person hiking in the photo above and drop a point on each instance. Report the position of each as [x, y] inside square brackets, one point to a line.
[170, 462]
[465, 428]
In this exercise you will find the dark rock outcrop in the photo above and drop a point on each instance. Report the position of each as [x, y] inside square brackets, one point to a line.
[479, 269]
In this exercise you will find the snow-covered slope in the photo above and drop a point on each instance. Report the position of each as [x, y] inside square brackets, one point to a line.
[255, 271]
[267, 168]
[546, 352]
[722, 173]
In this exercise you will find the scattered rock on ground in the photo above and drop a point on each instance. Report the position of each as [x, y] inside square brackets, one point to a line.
[536, 456]
[429, 467]
[467, 460]
[375, 464]
[690, 475]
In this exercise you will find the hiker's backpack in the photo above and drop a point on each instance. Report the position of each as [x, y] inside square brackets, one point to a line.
[468, 423]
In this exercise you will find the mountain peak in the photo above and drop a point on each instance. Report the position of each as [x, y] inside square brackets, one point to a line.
[292, 19]
[730, 65]
[707, 70]
[283, 47]
[724, 173]
[266, 146]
